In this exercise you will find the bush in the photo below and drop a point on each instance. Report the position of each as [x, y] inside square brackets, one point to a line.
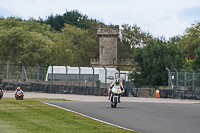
[98, 83]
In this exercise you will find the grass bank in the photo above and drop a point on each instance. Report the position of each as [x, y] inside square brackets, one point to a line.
[33, 116]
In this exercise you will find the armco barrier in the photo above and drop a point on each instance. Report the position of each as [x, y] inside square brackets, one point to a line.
[180, 94]
[166, 93]
[82, 90]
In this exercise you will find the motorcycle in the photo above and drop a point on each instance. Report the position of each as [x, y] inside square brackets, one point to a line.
[114, 96]
[1, 94]
[19, 95]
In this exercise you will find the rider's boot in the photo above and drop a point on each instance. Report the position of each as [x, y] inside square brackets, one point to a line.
[109, 96]
[119, 100]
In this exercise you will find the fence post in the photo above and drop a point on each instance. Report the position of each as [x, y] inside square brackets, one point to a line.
[118, 69]
[192, 79]
[38, 73]
[168, 78]
[7, 72]
[92, 76]
[185, 79]
[79, 75]
[66, 74]
[176, 78]
[22, 71]
[105, 76]
[51, 78]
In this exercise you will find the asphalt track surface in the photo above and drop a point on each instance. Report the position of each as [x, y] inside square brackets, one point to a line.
[142, 116]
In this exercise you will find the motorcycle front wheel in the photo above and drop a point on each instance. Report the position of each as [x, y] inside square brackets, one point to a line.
[115, 102]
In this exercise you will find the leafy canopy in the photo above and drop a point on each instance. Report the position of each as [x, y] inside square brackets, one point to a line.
[152, 60]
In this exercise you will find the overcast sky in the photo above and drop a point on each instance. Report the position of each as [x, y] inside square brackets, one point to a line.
[159, 17]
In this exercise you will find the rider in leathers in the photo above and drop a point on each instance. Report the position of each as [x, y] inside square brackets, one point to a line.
[18, 89]
[1, 89]
[116, 83]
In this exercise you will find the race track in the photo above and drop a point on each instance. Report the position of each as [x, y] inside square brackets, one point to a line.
[142, 116]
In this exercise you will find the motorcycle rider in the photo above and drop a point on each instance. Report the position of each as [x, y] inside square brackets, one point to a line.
[1, 89]
[18, 89]
[116, 83]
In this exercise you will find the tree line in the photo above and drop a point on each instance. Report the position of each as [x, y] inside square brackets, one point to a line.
[71, 39]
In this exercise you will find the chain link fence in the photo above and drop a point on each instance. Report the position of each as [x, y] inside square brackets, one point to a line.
[182, 84]
[52, 79]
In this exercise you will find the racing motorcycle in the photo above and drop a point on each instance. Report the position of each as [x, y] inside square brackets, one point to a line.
[19, 95]
[1, 94]
[114, 95]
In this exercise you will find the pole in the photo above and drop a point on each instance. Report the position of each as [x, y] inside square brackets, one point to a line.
[51, 78]
[22, 71]
[168, 78]
[7, 72]
[66, 74]
[192, 79]
[105, 76]
[185, 79]
[79, 75]
[92, 76]
[176, 78]
[38, 73]
[118, 69]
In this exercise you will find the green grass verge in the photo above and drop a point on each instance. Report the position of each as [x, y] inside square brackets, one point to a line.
[32, 116]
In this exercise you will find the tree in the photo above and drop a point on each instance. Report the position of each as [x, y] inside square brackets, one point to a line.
[70, 17]
[74, 47]
[32, 42]
[10, 22]
[152, 61]
[130, 38]
[190, 41]
[25, 41]
[195, 64]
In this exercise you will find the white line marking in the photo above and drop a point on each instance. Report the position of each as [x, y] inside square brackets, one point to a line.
[89, 116]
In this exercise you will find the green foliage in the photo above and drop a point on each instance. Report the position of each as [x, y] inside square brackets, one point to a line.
[98, 83]
[195, 64]
[28, 41]
[32, 42]
[70, 17]
[131, 37]
[190, 41]
[152, 61]
[75, 46]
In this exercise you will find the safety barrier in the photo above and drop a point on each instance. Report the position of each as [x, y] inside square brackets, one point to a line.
[180, 94]
[62, 89]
